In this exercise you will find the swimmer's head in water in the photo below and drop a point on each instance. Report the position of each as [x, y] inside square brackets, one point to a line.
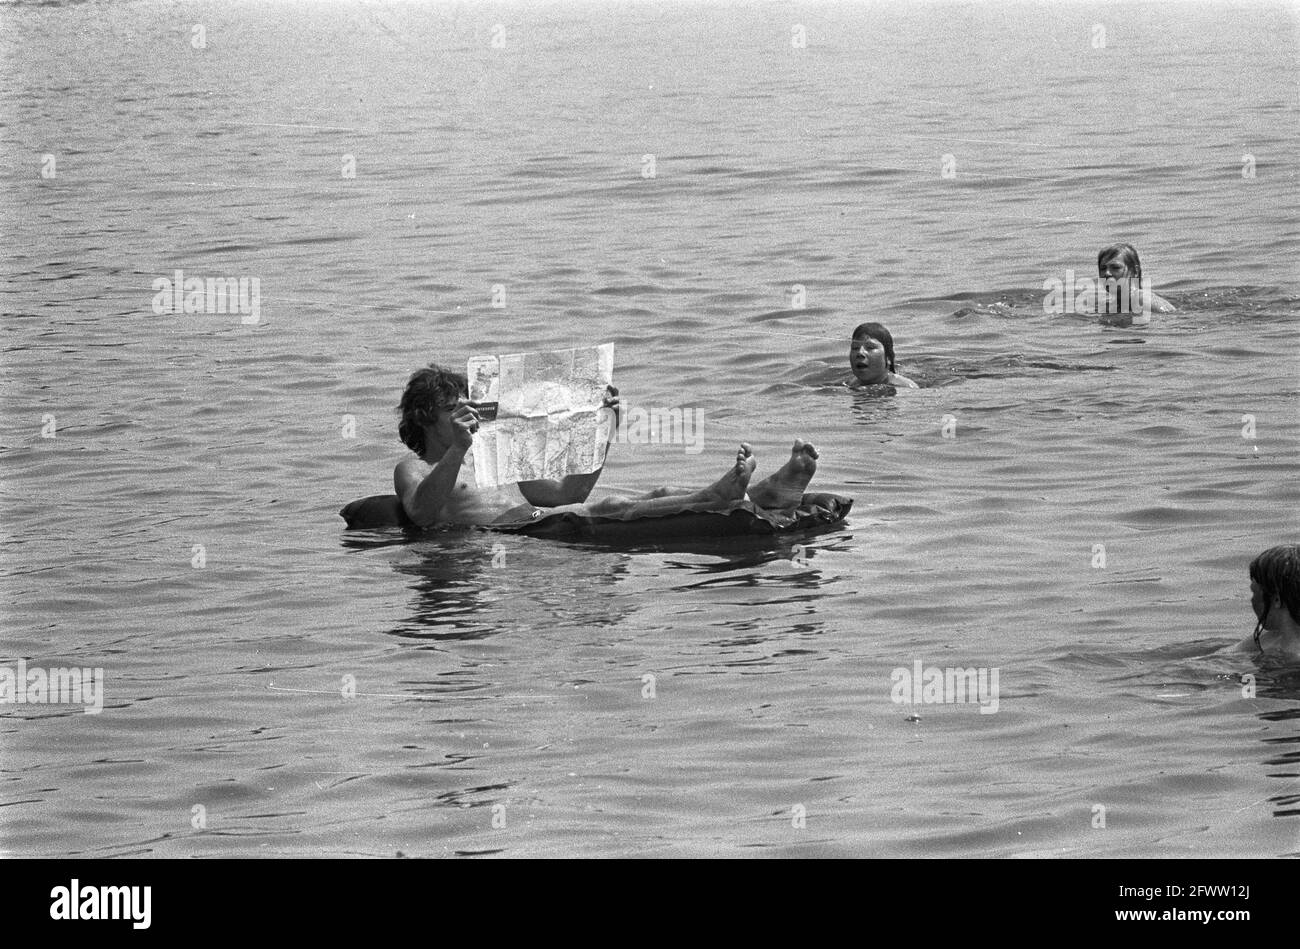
[1119, 260]
[1275, 574]
[428, 392]
[871, 354]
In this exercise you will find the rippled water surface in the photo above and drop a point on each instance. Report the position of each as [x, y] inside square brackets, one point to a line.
[509, 685]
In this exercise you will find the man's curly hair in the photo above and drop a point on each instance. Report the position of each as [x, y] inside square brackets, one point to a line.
[427, 391]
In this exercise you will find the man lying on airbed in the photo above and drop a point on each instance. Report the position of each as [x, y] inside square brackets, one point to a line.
[437, 487]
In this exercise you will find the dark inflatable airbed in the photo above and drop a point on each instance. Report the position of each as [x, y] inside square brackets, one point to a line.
[690, 522]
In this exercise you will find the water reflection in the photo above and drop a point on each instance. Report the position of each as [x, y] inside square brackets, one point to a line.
[1281, 682]
[489, 583]
[477, 584]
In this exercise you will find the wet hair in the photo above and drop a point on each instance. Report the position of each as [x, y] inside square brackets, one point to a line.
[1277, 571]
[877, 332]
[1127, 254]
[427, 391]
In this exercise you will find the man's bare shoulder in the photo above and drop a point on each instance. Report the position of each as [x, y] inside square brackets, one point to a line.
[408, 474]
[411, 464]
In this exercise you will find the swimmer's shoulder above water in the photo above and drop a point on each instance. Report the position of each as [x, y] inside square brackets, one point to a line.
[871, 357]
[895, 380]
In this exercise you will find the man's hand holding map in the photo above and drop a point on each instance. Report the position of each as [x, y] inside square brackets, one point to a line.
[548, 421]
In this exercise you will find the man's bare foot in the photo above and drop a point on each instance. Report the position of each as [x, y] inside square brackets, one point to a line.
[731, 486]
[785, 488]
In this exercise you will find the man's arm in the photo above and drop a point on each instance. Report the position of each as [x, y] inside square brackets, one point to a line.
[572, 489]
[423, 495]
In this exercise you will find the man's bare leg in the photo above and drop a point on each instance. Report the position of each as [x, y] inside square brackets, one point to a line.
[785, 488]
[727, 489]
[665, 492]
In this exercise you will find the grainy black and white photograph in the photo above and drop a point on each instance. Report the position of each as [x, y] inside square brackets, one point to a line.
[649, 429]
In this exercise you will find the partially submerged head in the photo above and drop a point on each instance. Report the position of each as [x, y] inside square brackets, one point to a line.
[430, 396]
[871, 354]
[1119, 260]
[1275, 589]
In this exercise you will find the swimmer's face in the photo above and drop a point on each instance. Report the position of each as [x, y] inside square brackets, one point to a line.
[1115, 268]
[868, 361]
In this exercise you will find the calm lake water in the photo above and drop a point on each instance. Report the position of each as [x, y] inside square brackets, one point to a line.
[502, 701]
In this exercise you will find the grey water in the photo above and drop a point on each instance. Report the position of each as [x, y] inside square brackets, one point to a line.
[1071, 504]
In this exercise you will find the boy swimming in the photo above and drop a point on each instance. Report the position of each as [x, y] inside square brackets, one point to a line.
[438, 487]
[1275, 598]
[1120, 261]
[871, 357]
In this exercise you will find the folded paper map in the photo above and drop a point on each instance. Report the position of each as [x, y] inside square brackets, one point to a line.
[541, 414]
